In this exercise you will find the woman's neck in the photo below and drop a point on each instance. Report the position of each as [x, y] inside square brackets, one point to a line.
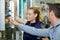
[33, 21]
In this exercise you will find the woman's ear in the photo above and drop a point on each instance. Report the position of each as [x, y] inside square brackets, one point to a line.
[36, 15]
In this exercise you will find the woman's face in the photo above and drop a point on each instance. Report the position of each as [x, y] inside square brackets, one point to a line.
[30, 15]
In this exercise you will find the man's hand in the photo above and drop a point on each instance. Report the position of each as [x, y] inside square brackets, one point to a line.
[14, 22]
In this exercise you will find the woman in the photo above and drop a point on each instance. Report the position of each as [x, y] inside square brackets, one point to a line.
[33, 19]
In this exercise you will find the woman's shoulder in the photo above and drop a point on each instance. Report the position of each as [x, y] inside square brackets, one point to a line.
[38, 22]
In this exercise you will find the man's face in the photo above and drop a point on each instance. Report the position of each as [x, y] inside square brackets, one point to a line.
[50, 16]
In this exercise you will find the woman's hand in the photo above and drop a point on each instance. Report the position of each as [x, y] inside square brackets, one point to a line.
[14, 22]
[17, 18]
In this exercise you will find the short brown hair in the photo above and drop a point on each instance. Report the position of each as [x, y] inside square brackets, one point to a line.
[56, 8]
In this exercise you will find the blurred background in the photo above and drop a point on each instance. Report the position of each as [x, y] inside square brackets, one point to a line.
[12, 8]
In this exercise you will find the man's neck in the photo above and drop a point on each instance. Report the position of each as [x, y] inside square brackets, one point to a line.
[55, 22]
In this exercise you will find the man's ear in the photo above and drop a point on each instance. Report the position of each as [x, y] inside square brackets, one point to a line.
[52, 13]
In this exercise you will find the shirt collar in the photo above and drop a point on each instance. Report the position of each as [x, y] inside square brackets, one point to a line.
[35, 22]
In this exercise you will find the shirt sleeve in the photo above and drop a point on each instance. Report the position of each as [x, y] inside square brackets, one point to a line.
[34, 31]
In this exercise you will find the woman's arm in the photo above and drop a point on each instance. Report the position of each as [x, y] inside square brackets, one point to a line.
[23, 21]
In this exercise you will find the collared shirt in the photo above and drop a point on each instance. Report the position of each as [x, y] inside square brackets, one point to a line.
[53, 32]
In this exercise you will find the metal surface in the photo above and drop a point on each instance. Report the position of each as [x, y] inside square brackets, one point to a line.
[2, 15]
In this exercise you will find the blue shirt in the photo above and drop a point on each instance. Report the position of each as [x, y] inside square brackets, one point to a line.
[53, 32]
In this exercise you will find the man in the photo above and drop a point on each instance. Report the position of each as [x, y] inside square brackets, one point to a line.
[54, 18]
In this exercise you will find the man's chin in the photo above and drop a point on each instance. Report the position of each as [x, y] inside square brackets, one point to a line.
[48, 21]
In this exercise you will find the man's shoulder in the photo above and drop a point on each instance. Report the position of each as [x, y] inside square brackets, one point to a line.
[58, 27]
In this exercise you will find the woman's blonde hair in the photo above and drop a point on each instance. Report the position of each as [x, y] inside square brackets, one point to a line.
[38, 11]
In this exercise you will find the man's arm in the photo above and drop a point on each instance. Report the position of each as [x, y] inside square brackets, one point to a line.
[34, 31]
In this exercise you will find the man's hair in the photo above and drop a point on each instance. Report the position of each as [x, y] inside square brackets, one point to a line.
[56, 9]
